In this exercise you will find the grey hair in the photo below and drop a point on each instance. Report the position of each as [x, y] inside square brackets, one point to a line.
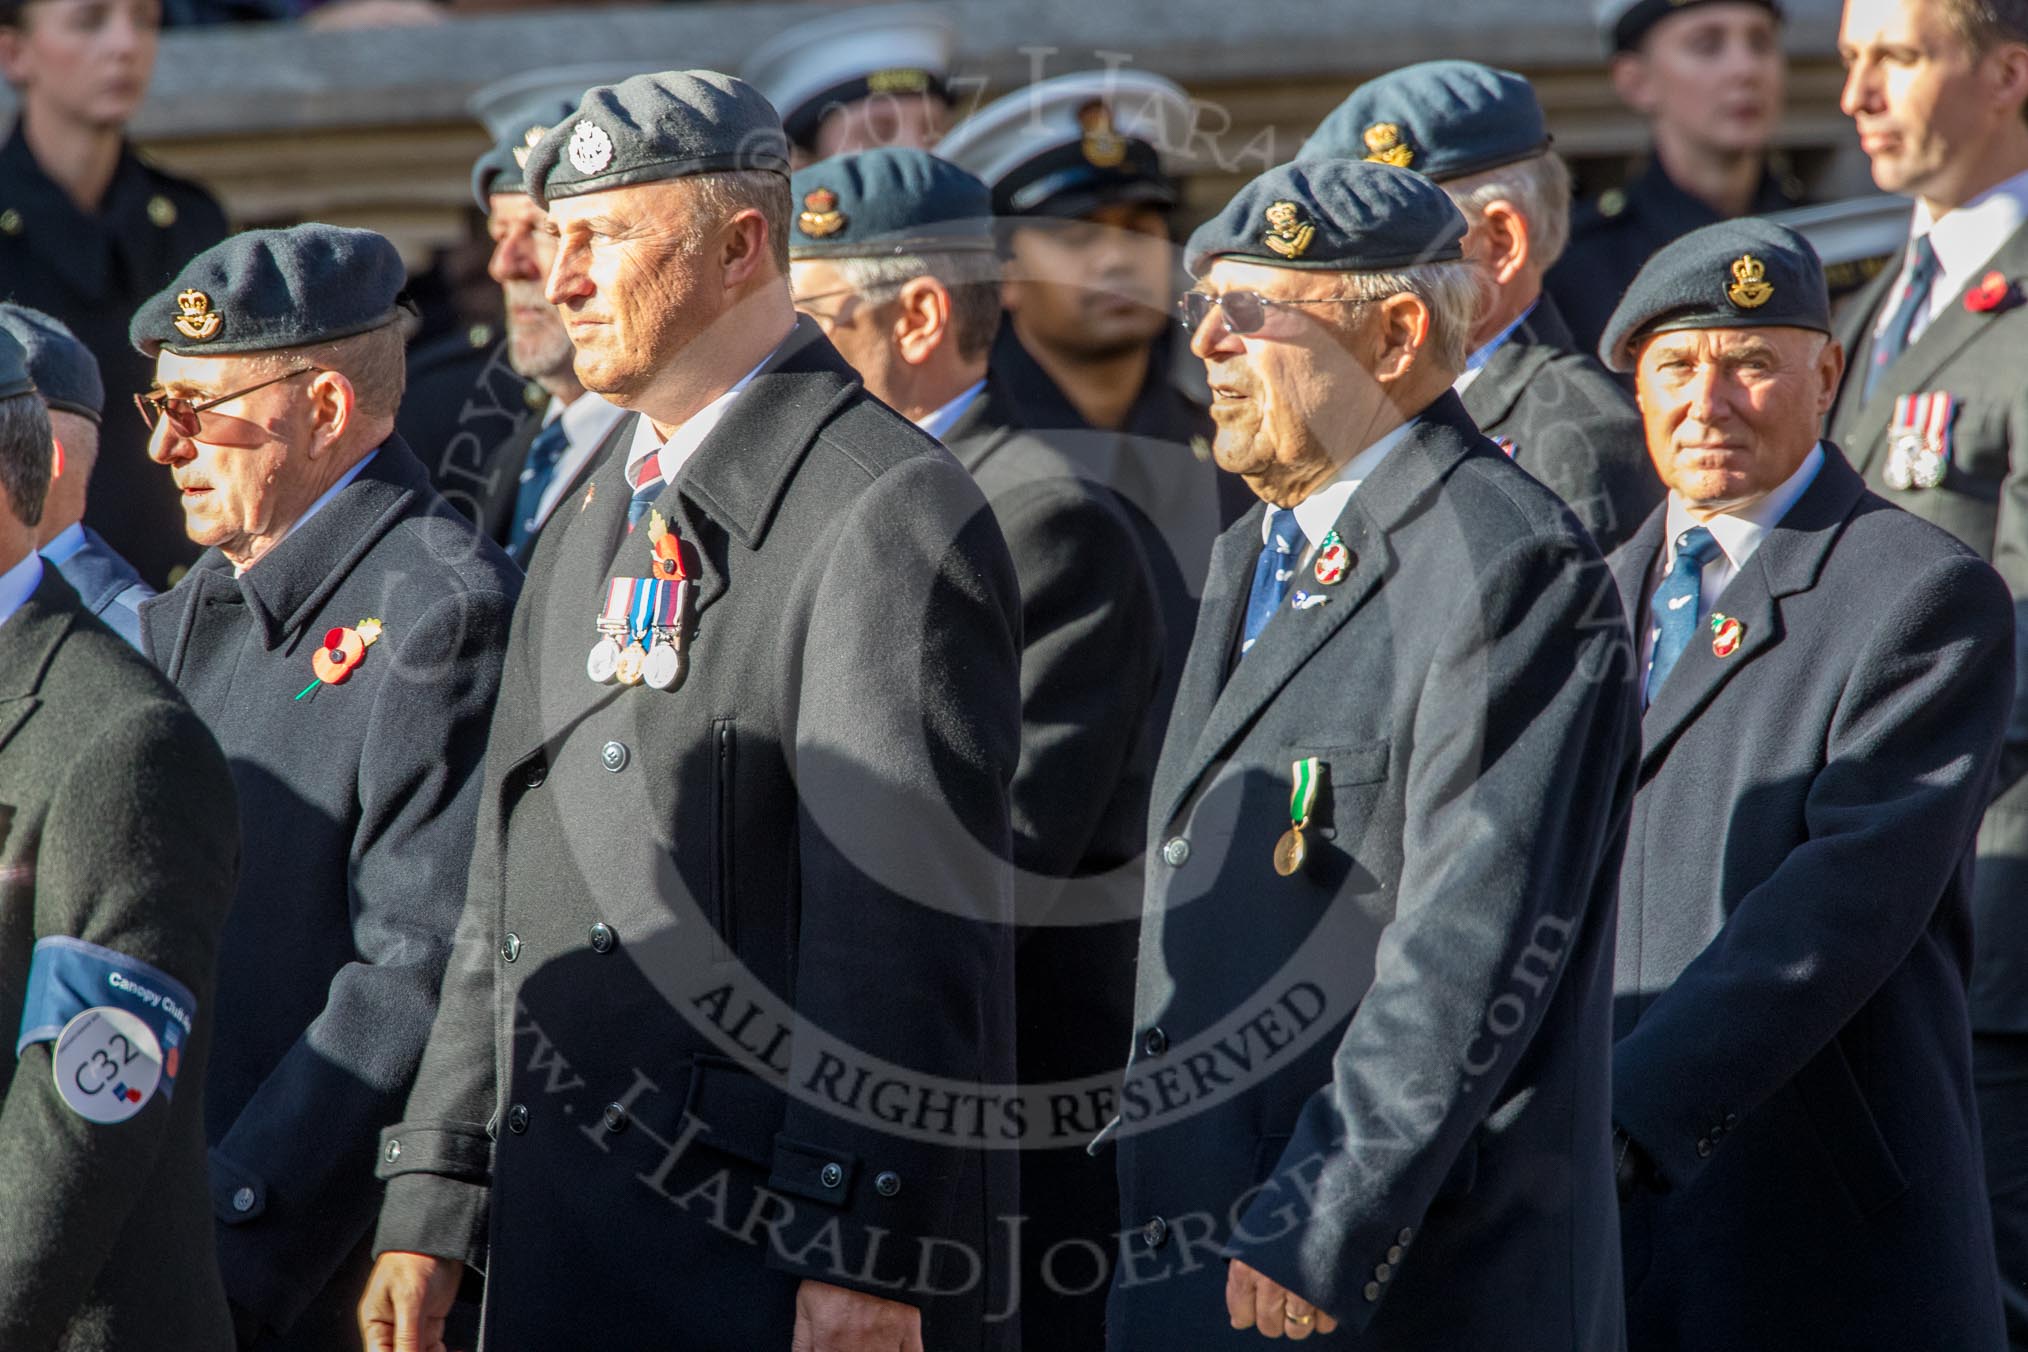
[374, 362]
[1539, 187]
[971, 276]
[25, 456]
[716, 198]
[1456, 292]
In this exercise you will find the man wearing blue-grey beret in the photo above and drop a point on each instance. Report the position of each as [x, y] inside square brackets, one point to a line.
[1374, 991]
[342, 635]
[740, 886]
[1827, 682]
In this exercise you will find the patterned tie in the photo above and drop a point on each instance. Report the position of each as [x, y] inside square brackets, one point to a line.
[647, 487]
[1917, 280]
[1679, 604]
[1272, 575]
[543, 453]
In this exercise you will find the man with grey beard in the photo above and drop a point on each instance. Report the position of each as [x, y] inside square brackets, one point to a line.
[513, 493]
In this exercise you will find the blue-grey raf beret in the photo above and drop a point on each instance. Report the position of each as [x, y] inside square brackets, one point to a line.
[1743, 274]
[13, 368]
[500, 170]
[655, 127]
[63, 369]
[889, 201]
[266, 289]
[1443, 119]
[1332, 216]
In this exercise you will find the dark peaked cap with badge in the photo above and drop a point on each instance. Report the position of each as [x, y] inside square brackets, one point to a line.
[1743, 274]
[501, 169]
[1444, 119]
[1067, 146]
[865, 52]
[63, 369]
[1625, 22]
[265, 289]
[880, 203]
[1333, 216]
[654, 127]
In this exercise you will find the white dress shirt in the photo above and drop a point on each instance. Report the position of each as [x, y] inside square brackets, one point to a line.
[585, 424]
[945, 418]
[18, 583]
[684, 441]
[1319, 512]
[1965, 241]
[1738, 534]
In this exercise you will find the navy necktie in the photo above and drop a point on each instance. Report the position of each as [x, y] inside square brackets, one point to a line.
[1679, 604]
[1892, 341]
[543, 453]
[647, 487]
[1273, 573]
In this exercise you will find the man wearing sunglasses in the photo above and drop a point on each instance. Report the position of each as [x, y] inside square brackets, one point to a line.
[1480, 133]
[342, 634]
[1375, 981]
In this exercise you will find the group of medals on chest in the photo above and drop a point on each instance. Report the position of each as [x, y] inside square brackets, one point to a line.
[643, 626]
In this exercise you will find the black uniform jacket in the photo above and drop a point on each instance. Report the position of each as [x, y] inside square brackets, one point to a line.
[1382, 1080]
[1569, 423]
[1792, 1047]
[733, 1001]
[92, 270]
[358, 802]
[1974, 356]
[117, 827]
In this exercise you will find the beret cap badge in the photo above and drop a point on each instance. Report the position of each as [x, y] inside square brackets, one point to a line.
[528, 140]
[820, 215]
[1104, 147]
[1288, 234]
[197, 321]
[1750, 288]
[1385, 145]
[591, 150]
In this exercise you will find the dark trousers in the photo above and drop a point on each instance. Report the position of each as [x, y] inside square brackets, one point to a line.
[2000, 1074]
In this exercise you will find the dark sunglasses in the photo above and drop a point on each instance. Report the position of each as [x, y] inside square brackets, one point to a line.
[1245, 311]
[181, 414]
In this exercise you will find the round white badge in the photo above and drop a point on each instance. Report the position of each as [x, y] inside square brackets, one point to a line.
[108, 1064]
[590, 148]
[603, 662]
[665, 667]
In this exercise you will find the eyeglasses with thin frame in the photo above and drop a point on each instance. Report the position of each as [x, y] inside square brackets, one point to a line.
[181, 414]
[800, 302]
[1245, 311]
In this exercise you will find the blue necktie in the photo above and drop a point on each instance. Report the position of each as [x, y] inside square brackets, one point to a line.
[1893, 340]
[647, 487]
[1273, 573]
[1679, 604]
[543, 453]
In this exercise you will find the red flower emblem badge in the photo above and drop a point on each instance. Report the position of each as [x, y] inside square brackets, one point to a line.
[1994, 292]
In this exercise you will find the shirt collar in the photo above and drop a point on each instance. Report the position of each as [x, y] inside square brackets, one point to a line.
[66, 545]
[939, 423]
[1740, 532]
[1319, 512]
[1966, 237]
[18, 583]
[1477, 361]
[684, 441]
[587, 418]
[323, 500]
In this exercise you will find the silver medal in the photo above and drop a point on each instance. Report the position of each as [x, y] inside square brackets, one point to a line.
[665, 667]
[604, 662]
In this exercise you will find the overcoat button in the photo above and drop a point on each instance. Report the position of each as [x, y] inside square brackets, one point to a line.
[1155, 1233]
[393, 1151]
[243, 1200]
[1394, 1254]
[1373, 1290]
[614, 756]
[533, 776]
[510, 946]
[1405, 1238]
[616, 1117]
[1731, 1121]
[1382, 1273]
[1154, 1042]
[602, 937]
[888, 1184]
[1176, 853]
[1703, 1149]
[831, 1175]
[517, 1119]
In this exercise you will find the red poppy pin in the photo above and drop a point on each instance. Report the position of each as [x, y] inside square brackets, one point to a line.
[1994, 292]
[341, 651]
